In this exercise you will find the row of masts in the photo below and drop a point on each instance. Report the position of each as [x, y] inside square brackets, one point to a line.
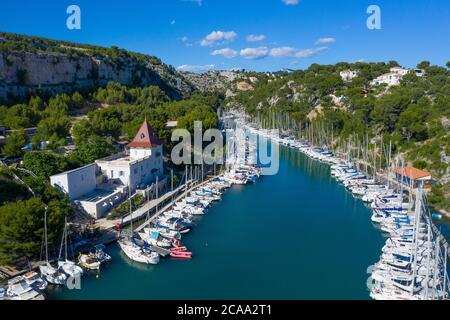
[372, 154]
[373, 157]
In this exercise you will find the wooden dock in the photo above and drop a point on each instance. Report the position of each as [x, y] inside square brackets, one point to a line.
[168, 206]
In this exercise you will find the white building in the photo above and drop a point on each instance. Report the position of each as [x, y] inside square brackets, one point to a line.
[348, 75]
[101, 186]
[141, 165]
[392, 78]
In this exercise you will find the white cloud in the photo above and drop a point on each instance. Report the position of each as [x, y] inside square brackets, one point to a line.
[289, 52]
[291, 2]
[226, 52]
[283, 52]
[255, 37]
[217, 37]
[173, 22]
[255, 53]
[185, 40]
[308, 53]
[190, 68]
[325, 40]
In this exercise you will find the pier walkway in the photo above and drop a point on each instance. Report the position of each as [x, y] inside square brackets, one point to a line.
[168, 206]
[139, 213]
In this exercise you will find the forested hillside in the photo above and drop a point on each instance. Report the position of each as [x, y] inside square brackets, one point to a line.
[414, 115]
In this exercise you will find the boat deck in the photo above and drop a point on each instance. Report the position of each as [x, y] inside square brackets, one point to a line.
[161, 251]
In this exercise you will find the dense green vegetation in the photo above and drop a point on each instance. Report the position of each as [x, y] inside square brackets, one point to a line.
[414, 115]
[15, 143]
[22, 216]
[116, 112]
[95, 122]
[10, 190]
[124, 208]
[23, 43]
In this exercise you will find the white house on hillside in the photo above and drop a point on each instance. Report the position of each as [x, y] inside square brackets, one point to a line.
[394, 77]
[102, 185]
[348, 75]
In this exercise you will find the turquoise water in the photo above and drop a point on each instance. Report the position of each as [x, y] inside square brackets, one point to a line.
[296, 235]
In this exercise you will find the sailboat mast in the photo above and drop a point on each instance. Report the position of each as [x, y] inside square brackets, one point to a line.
[171, 182]
[375, 162]
[427, 277]
[65, 233]
[185, 182]
[157, 196]
[62, 243]
[46, 237]
[131, 209]
[416, 236]
[389, 165]
[445, 268]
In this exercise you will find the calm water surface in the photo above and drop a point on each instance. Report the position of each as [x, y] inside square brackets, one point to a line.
[296, 235]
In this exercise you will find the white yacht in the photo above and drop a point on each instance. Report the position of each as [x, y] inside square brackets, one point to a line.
[137, 253]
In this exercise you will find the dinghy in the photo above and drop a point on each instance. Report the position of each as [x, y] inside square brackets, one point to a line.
[181, 254]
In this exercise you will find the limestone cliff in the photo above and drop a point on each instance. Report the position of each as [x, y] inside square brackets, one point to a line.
[29, 64]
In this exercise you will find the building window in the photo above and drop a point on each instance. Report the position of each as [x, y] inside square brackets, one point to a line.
[121, 173]
[112, 173]
[82, 177]
[135, 171]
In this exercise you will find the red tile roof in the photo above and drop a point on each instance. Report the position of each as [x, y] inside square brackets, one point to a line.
[145, 138]
[413, 173]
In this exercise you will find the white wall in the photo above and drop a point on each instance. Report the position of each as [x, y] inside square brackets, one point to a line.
[76, 183]
[138, 171]
[115, 171]
[101, 208]
[136, 154]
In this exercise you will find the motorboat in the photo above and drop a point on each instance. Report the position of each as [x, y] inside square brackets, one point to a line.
[89, 261]
[166, 233]
[33, 279]
[154, 238]
[102, 256]
[19, 289]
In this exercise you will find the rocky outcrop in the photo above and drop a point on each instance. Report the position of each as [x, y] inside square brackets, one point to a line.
[213, 81]
[24, 73]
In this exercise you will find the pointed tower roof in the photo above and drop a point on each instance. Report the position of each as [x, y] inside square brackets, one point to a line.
[145, 138]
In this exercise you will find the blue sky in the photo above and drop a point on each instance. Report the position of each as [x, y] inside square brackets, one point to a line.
[286, 33]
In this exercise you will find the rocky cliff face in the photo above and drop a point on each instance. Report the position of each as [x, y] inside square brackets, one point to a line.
[213, 81]
[23, 73]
